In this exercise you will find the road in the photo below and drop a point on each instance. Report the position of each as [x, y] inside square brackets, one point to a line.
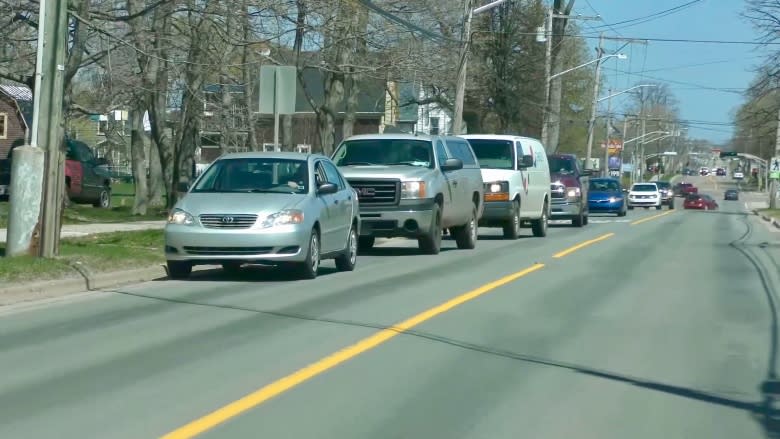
[655, 325]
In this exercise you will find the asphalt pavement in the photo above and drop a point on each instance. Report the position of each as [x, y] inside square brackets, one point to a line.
[658, 324]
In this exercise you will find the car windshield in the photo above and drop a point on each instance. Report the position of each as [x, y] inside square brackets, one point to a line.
[693, 197]
[604, 185]
[493, 153]
[409, 152]
[561, 165]
[644, 188]
[663, 185]
[256, 174]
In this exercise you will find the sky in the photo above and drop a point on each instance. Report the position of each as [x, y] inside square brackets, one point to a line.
[705, 75]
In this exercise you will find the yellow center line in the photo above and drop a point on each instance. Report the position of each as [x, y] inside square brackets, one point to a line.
[286, 383]
[668, 212]
[581, 245]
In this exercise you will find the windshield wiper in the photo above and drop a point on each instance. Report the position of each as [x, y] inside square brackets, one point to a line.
[358, 164]
[405, 163]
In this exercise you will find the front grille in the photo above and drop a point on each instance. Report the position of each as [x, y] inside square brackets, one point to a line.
[228, 221]
[558, 191]
[377, 192]
[227, 251]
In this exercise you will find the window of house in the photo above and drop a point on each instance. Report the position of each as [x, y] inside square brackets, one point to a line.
[103, 127]
[3, 125]
[434, 125]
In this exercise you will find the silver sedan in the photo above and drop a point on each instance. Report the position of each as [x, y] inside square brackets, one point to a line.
[287, 209]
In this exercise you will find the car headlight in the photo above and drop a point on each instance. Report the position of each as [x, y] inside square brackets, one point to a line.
[178, 216]
[615, 199]
[283, 218]
[573, 192]
[497, 191]
[413, 189]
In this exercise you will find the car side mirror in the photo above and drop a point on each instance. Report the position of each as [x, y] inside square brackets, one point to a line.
[183, 186]
[526, 161]
[625, 191]
[327, 188]
[452, 165]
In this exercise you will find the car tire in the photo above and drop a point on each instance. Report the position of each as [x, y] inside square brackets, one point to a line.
[430, 243]
[308, 269]
[466, 235]
[671, 205]
[179, 269]
[659, 207]
[347, 260]
[539, 226]
[231, 267]
[512, 229]
[622, 212]
[585, 219]
[104, 199]
[366, 243]
[630, 207]
[578, 221]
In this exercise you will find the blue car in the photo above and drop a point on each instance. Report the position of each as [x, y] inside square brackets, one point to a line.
[605, 195]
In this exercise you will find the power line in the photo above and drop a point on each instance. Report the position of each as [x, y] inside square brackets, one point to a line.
[650, 17]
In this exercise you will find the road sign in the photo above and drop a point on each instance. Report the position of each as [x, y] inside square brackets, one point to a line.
[725, 154]
[774, 168]
[614, 173]
[278, 86]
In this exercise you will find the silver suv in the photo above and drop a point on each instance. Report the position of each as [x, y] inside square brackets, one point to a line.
[414, 186]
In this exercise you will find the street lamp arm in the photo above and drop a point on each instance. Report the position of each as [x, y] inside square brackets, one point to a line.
[619, 55]
[488, 6]
[626, 91]
[645, 135]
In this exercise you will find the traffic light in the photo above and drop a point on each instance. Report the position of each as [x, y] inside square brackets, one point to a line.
[725, 154]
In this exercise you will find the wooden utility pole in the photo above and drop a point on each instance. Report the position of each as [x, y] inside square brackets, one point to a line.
[50, 115]
[773, 185]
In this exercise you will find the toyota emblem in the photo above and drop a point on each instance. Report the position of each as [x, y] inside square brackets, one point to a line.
[228, 219]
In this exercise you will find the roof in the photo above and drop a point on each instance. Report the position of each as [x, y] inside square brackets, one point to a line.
[496, 137]
[283, 155]
[398, 136]
[23, 97]
[17, 92]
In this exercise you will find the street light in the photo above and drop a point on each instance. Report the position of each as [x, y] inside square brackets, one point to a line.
[609, 121]
[595, 103]
[457, 123]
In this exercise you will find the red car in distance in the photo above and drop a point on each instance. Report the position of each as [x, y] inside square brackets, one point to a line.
[700, 202]
[685, 189]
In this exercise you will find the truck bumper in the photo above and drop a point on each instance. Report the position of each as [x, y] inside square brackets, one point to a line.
[564, 209]
[496, 213]
[410, 219]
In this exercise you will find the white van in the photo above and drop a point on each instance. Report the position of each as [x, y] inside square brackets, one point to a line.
[517, 182]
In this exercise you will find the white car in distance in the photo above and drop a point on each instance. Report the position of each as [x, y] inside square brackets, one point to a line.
[644, 195]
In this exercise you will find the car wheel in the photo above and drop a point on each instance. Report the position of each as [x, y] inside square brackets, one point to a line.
[539, 226]
[671, 205]
[585, 219]
[231, 267]
[466, 235]
[104, 200]
[179, 269]
[308, 269]
[578, 221]
[347, 260]
[659, 207]
[512, 229]
[630, 207]
[430, 243]
[366, 242]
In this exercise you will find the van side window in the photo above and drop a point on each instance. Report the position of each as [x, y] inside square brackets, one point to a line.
[462, 151]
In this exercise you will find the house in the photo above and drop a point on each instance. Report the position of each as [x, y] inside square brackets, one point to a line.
[15, 116]
[412, 117]
[229, 116]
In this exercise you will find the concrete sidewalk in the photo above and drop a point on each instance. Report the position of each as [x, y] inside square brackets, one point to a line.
[76, 230]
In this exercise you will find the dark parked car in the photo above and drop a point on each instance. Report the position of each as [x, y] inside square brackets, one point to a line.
[684, 189]
[568, 189]
[731, 194]
[606, 195]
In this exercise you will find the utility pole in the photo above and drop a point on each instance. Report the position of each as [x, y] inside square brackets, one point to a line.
[606, 137]
[547, 77]
[594, 103]
[50, 96]
[641, 143]
[773, 185]
[549, 74]
[460, 91]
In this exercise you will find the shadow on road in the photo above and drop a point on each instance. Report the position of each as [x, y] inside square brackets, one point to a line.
[398, 251]
[250, 273]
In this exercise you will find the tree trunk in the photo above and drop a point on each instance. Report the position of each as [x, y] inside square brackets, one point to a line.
[288, 143]
[156, 182]
[352, 89]
[138, 159]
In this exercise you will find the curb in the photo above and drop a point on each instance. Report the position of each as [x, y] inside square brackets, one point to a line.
[34, 291]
